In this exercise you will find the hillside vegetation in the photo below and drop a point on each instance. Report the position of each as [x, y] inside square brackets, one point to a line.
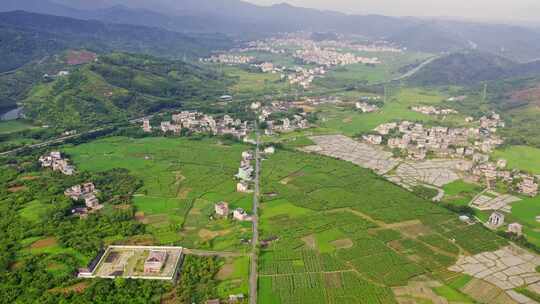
[25, 37]
[117, 87]
[466, 68]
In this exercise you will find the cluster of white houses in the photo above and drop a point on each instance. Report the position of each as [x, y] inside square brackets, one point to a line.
[286, 124]
[366, 107]
[496, 220]
[201, 123]
[56, 162]
[431, 110]
[85, 192]
[471, 143]
[417, 140]
[329, 57]
[229, 59]
[303, 77]
[222, 210]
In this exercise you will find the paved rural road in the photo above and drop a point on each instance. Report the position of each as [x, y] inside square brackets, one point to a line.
[255, 239]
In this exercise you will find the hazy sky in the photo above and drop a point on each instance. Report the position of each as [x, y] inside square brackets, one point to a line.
[517, 10]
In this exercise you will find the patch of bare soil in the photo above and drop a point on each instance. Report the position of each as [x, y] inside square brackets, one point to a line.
[342, 244]
[289, 178]
[207, 235]
[139, 216]
[484, 292]
[347, 120]
[141, 240]
[183, 193]
[415, 230]
[29, 177]
[225, 272]
[17, 189]
[122, 207]
[44, 243]
[77, 288]
[333, 280]
[310, 241]
[395, 245]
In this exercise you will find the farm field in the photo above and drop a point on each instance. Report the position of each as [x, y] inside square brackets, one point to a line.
[520, 157]
[460, 193]
[351, 236]
[233, 277]
[525, 212]
[351, 122]
[182, 180]
[255, 83]
[12, 126]
[361, 73]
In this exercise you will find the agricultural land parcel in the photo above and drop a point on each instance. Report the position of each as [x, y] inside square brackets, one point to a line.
[182, 181]
[341, 241]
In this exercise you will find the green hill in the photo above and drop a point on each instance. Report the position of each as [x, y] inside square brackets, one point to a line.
[25, 37]
[470, 68]
[119, 86]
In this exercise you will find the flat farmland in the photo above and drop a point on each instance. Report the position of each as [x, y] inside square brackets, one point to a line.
[520, 157]
[182, 179]
[351, 236]
[350, 122]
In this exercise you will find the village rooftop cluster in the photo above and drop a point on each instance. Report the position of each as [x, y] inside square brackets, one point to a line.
[431, 110]
[85, 192]
[56, 162]
[198, 122]
[473, 143]
[296, 122]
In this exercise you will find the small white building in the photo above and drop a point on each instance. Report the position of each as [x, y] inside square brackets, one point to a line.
[242, 187]
[241, 215]
[496, 219]
[515, 228]
[269, 150]
[222, 209]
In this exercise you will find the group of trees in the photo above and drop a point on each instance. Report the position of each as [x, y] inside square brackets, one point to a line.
[27, 277]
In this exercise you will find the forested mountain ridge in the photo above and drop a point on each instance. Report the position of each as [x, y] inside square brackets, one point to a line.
[28, 36]
[469, 68]
[117, 87]
[241, 18]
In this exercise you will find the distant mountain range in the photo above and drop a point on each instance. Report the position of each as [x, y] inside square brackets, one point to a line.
[471, 67]
[29, 36]
[239, 18]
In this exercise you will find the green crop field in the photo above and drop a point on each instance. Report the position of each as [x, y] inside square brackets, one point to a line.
[525, 212]
[233, 277]
[351, 122]
[255, 83]
[342, 76]
[460, 193]
[182, 180]
[520, 157]
[14, 126]
[339, 233]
